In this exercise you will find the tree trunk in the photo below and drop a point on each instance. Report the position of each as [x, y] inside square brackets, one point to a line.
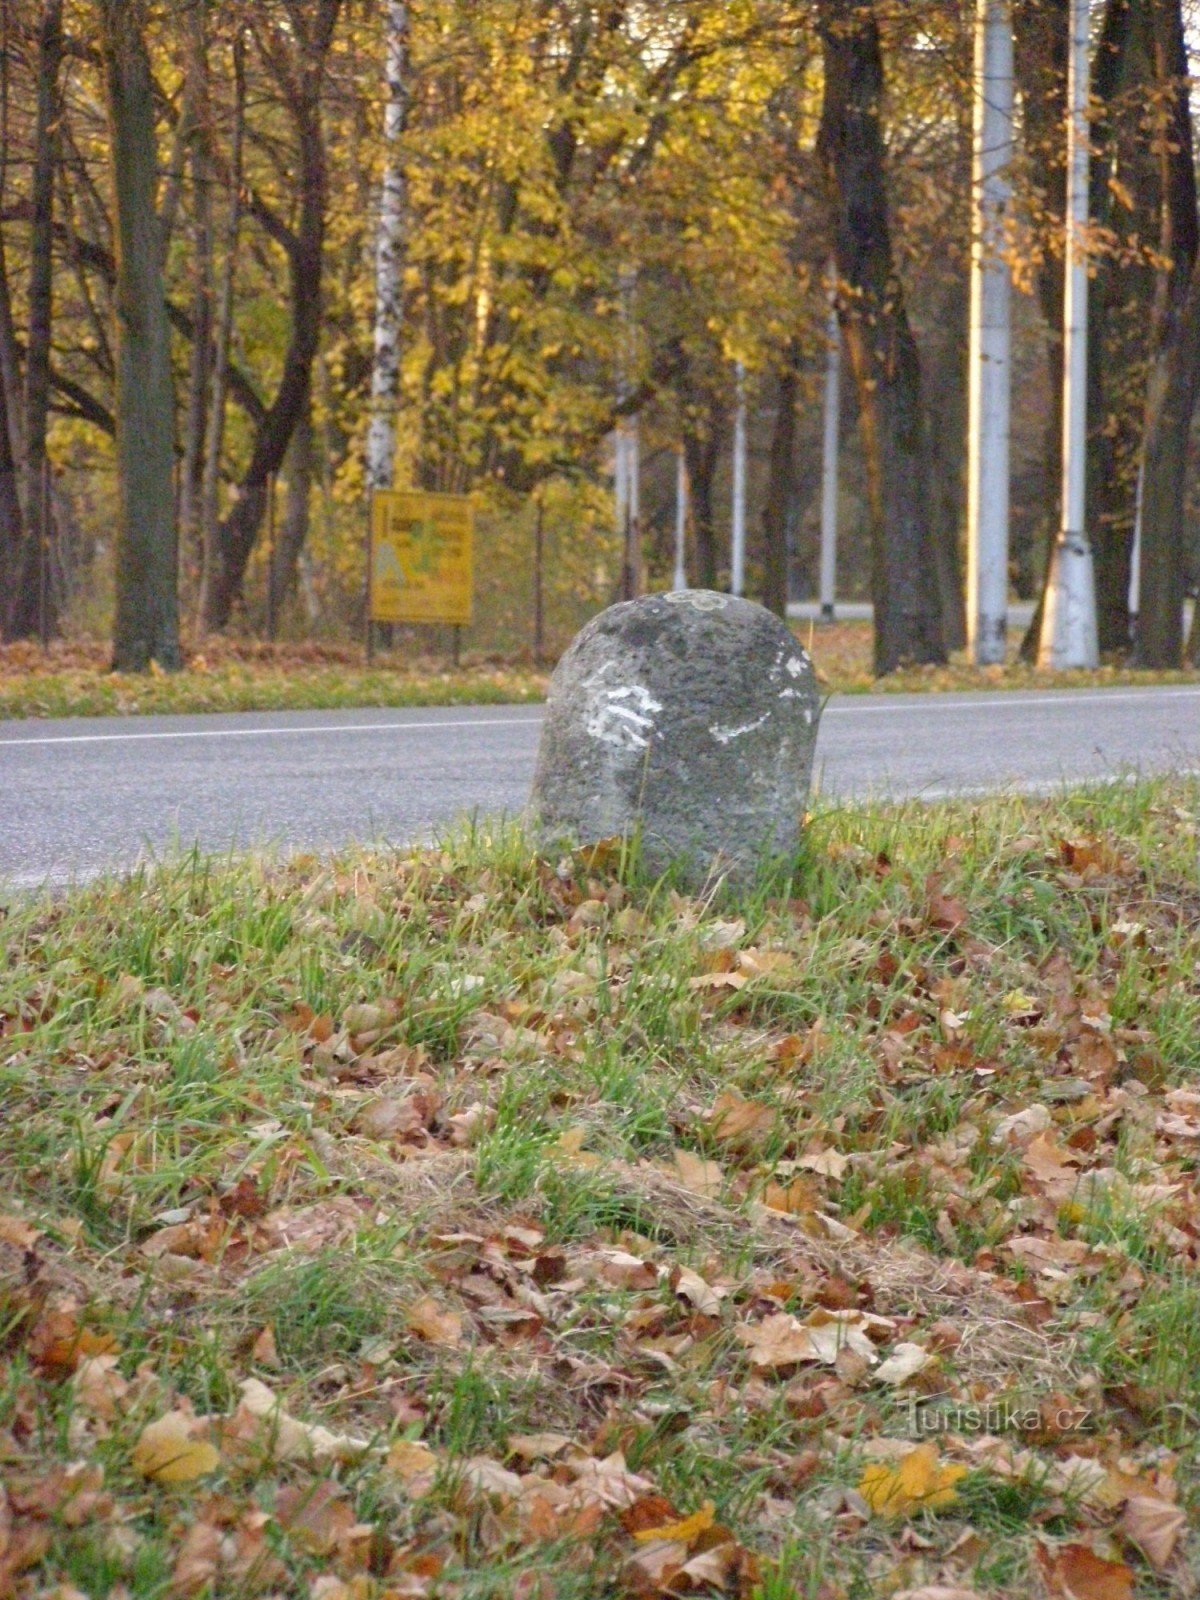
[1122, 286]
[293, 531]
[703, 451]
[883, 352]
[12, 526]
[1175, 377]
[237, 534]
[191, 477]
[1042, 37]
[32, 603]
[214, 434]
[389, 259]
[781, 488]
[146, 626]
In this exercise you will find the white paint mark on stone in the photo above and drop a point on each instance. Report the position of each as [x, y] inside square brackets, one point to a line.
[795, 666]
[725, 735]
[698, 599]
[622, 716]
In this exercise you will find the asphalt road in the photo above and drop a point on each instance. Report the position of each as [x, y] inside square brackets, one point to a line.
[78, 797]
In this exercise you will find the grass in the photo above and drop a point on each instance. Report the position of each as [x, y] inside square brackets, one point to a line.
[502, 1180]
[71, 679]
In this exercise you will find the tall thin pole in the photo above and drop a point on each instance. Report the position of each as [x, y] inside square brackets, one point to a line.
[829, 453]
[738, 563]
[679, 580]
[1069, 626]
[991, 338]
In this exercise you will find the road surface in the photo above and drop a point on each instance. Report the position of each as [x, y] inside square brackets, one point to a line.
[78, 797]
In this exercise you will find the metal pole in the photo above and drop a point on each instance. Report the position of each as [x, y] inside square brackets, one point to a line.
[991, 338]
[738, 564]
[679, 580]
[1069, 625]
[829, 453]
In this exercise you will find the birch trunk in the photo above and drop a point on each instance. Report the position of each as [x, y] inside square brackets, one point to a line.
[389, 260]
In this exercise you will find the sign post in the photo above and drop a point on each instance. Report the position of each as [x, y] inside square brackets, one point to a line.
[420, 559]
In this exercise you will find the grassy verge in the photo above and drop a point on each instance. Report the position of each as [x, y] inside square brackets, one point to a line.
[462, 1224]
[73, 680]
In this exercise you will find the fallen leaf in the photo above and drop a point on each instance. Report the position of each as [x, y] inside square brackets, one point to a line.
[690, 1286]
[695, 1173]
[169, 1450]
[414, 1463]
[435, 1323]
[198, 1561]
[778, 1341]
[1076, 1573]
[918, 1481]
[905, 1361]
[825, 1163]
[260, 1424]
[684, 1532]
[1155, 1526]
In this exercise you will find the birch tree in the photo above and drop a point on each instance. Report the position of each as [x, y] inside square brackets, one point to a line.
[389, 259]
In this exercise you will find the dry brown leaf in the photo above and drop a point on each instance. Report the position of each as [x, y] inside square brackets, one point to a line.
[735, 1121]
[318, 1516]
[261, 1425]
[1155, 1526]
[1073, 1572]
[99, 1387]
[414, 1463]
[690, 1286]
[825, 1163]
[702, 1177]
[905, 1361]
[198, 1561]
[434, 1323]
[778, 1341]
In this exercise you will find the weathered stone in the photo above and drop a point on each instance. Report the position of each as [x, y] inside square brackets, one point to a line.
[688, 719]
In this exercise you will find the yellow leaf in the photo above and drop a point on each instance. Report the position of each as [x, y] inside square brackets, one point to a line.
[917, 1481]
[681, 1532]
[168, 1452]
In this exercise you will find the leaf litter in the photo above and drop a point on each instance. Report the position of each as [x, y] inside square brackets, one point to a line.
[501, 1251]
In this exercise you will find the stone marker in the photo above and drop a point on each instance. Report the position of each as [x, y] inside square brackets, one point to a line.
[690, 717]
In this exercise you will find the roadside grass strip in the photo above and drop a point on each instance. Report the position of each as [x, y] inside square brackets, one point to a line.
[458, 1223]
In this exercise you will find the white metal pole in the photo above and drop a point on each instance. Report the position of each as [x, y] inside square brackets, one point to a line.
[829, 453]
[679, 580]
[634, 470]
[991, 338]
[1069, 625]
[1135, 555]
[738, 564]
[619, 481]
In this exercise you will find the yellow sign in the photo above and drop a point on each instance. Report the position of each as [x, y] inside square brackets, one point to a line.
[421, 557]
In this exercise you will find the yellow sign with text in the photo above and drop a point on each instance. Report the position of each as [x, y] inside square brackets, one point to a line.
[422, 548]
